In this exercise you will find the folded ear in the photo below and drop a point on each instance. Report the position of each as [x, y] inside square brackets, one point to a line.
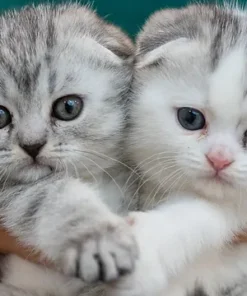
[110, 51]
[169, 33]
[119, 43]
[106, 40]
[113, 45]
[175, 49]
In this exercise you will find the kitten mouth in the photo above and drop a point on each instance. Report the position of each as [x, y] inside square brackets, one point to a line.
[218, 178]
[46, 165]
[40, 166]
[32, 171]
[37, 166]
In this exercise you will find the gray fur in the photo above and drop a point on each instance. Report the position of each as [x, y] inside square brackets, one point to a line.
[47, 52]
[239, 288]
[221, 27]
[198, 291]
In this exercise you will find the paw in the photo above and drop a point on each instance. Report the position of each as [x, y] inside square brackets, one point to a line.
[103, 254]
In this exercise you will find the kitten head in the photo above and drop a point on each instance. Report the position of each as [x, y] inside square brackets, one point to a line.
[189, 112]
[63, 76]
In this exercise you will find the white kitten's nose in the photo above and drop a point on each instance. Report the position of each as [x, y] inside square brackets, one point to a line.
[219, 158]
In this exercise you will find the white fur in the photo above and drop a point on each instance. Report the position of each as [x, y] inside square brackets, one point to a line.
[185, 242]
[179, 49]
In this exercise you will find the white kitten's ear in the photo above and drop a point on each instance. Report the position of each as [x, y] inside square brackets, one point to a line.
[176, 49]
[167, 34]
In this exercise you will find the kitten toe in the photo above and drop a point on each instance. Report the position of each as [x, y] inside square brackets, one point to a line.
[125, 262]
[107, 264]
[108, 255]
[69, 261]
[90, 266]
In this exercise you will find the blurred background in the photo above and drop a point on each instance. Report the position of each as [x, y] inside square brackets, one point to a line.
[129, 14]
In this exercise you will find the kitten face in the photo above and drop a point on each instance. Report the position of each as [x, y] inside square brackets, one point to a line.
[189, 113]
[63, 73]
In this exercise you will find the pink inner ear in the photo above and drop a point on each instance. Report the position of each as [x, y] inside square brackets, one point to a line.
[220, 157]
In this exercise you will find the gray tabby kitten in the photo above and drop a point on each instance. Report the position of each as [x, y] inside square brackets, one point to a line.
[189, 138]
[63, 77]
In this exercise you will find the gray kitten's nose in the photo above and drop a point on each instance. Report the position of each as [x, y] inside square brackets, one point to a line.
[33, 150]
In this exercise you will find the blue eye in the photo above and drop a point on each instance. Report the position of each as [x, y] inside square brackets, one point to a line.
[67, 108]
[5, 117]
[191, 119]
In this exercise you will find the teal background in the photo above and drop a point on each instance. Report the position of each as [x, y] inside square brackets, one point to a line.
[129, 14]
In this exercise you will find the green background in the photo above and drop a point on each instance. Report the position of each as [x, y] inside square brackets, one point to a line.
[129, 14]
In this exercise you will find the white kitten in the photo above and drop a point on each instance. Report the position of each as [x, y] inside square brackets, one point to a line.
[188, 138]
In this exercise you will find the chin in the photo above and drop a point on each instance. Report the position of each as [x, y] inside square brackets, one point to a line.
[215, 188]
[32, 173]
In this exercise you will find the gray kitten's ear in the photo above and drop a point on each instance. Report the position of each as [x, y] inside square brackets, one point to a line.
[111, 41]
[119, 43]
[167, 33]
[115, 46]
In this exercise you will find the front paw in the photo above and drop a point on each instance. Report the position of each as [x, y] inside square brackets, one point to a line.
[103, 254]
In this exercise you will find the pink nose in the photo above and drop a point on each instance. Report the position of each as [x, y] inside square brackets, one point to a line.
[218, 159]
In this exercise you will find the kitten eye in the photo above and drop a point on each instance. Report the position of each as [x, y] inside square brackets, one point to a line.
[67, 108]
[5, 117]
[191, 119]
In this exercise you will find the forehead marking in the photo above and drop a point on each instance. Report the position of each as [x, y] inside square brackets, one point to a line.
[226, 87]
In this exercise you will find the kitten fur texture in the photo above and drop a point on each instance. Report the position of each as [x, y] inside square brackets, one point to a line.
[188, 139]
[64, 75]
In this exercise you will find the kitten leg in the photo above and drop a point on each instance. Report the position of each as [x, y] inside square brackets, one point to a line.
[171, 237]
[67, 221]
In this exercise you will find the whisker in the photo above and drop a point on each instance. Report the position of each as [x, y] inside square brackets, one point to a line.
[158, 158]
[150, 169]
[96, 153]
[157, 155]
[146, 180]
[141, 179]
[65, 168]
[169, 177]
[107, 157]
[149, 178]
[6, 180]
[182, 183]
[173, 184]
[2, 172]
[108, 174]
[75, 169]
[90, 173]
